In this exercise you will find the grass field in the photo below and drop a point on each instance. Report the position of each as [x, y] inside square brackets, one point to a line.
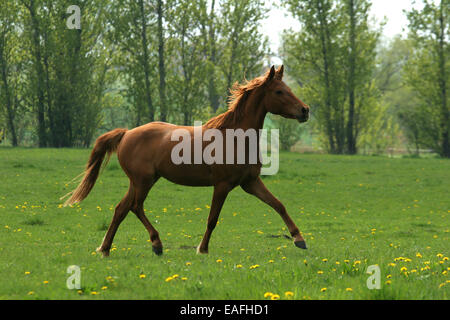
[353, 211]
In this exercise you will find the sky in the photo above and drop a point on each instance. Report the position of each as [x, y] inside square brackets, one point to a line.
[277, 20]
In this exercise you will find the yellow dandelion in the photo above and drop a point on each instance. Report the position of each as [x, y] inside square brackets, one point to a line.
[142, 276]
[268, 294]
[388, 282]
[418, 255]
[288, 294]
[439, 255]
[325, 260]
[169, 279]
[254, 266]
[349, 289]
[320, 272]
[323, 289]
[403, 269]
[275, 297]
[184, 278]
[271, 261]
[104, 287]
[219, 260]
[45, 282]
[239, 266]
[94, 293]
[188, 264]
[27, 272]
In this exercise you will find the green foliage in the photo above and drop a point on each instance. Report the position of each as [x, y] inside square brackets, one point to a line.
[289, 131]
[139, 61]
[333, 61]
[123, 67]
[427, 74]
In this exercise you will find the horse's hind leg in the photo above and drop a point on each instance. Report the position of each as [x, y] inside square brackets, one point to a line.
[142, 190]
[120, 213]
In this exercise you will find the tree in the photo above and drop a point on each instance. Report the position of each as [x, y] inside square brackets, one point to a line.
[188, 83]
[427, 73]
[209, 28]
[160, 8]
[400, 101]
[333, 58]
[245, 47]
[132, 31]
[9, 65]
[34, 27]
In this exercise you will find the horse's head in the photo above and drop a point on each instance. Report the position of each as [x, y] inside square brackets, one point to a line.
[279, 99]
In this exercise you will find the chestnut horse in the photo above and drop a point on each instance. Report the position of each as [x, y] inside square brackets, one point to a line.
[144, 154]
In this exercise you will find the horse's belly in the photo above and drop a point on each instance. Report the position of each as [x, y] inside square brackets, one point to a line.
[187, 174]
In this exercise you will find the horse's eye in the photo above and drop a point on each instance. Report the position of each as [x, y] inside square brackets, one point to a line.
[279, 92]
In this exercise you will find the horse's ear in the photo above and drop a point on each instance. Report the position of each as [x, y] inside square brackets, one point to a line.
[279, 73]
[270, 75]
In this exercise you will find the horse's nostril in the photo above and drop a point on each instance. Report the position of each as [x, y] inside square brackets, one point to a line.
[305, 111]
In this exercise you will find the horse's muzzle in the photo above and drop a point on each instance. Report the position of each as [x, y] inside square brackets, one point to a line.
[304, 116]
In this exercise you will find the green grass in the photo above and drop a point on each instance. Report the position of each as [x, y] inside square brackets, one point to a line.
[353, 211]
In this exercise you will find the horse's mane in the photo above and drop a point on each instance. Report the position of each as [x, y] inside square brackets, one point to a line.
[239, 94]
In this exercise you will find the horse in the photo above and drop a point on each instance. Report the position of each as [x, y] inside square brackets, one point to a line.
[144, 153]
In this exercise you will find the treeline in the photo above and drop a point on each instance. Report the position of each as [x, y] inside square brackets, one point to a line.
[131, 62]
[367, 93]
[135, 61]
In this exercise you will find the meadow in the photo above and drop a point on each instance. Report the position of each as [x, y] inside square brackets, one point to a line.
[354, 212]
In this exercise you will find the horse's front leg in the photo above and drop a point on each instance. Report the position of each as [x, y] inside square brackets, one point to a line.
[220, 194]
[257, 188]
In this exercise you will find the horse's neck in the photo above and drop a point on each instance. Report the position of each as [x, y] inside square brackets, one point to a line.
[255, 113]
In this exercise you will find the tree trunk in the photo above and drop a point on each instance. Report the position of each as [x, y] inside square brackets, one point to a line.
[351, 141]
[162, 71]
[9, 107]
[148, 96]
[445, 149]
[39, 74]
[326, 75]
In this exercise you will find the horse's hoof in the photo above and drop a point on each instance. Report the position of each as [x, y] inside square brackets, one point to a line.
[104, 254]
[300, 244]
[157, 250]
[199, 251]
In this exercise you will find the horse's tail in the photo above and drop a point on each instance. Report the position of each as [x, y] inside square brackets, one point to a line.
[106, 144]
